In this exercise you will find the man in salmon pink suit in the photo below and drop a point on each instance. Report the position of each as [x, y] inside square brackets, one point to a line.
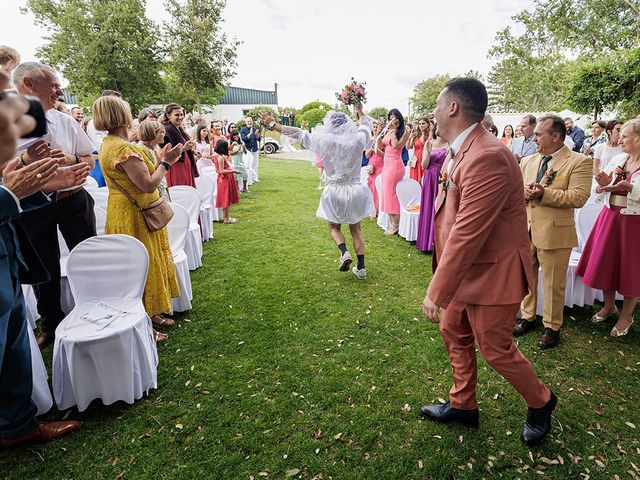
[482, 263]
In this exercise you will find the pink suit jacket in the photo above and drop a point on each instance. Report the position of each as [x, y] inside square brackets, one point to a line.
[482, 253]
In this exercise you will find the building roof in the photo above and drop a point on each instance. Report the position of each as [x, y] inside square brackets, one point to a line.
[248, 96]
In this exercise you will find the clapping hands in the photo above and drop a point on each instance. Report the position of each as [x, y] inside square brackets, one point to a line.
[533, 191]
[170, 154]
[41, 150]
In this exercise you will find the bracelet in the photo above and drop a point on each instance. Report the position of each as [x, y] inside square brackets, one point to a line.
[24, 164]
[77, 159]
[167, 166]
[271, 125]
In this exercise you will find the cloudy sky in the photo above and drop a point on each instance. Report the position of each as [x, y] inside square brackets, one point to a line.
[311, 48]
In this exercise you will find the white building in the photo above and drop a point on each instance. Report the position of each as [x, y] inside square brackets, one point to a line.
[238, 101]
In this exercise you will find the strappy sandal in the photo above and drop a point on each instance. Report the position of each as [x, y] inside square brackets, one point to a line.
[159, 336]
[160, 321]
[231, 220]
[621, 333]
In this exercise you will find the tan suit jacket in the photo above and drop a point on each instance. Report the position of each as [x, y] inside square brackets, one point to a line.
[482, 254]
[551, 218]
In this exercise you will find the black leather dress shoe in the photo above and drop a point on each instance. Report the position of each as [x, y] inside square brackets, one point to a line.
[538, 424]
[445, 413]
[549, 338]
[523, 326]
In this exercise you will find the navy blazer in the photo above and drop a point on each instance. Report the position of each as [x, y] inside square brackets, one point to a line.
[30, 268]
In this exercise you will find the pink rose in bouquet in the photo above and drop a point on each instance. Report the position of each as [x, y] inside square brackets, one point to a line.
[353, 93]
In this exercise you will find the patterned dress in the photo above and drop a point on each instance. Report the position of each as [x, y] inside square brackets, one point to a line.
[123, 217]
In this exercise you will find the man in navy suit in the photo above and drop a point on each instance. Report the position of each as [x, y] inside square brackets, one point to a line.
[20, 190]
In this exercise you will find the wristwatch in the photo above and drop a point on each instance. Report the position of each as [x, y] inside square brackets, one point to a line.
[271, 125]
[167, 166]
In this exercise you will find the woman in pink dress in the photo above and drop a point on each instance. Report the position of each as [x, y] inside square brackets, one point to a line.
[375, 164]
[417, 140]
[227, 193]
[393, 168]
[183, 171]
[610, 260]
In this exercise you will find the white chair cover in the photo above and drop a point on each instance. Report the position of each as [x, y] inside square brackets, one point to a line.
[117, 362]
[216, 213]
[383, 218]
[364, 176]
[41, 393]
[409, 193]
[100, 197]
[91, 184]
[189, 198]
[206, 187]
[101, 219]
[585, 220]
[31, 304]
[66, 297]
[178, 229]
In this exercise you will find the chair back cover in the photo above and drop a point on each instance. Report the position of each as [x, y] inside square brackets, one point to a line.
[205, 186]
[189, 198]
[100, 197]
[378, 184]
[109, 266]
[91, 184]
[585, 220]
[409, 192]
[364, 175]
[209, 172]
[178, 228]
[101, 219]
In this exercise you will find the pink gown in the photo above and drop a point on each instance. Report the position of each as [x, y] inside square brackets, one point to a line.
[392, 173]
[376, 162]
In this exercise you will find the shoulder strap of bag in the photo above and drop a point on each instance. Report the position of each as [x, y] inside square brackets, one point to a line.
[126, 194]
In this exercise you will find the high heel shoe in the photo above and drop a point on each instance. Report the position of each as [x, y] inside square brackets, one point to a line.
[392, 230]
[597, 318]
[621, 333]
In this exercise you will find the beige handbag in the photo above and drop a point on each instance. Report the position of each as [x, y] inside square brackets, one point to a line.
[156, 216]
[413, 162]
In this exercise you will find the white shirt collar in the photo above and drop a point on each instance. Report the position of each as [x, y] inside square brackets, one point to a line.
[457, 143]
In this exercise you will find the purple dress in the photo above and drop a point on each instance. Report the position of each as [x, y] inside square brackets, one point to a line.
[426, 234]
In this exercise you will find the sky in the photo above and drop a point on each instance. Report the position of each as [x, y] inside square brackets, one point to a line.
[312, 48]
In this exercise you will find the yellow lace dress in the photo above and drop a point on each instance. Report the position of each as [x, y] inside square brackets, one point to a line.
[123, 217]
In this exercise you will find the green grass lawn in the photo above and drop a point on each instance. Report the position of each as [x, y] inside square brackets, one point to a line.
[286, 367]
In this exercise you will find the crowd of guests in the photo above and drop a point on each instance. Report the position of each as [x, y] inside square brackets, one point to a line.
[562, 170]
[138, 159]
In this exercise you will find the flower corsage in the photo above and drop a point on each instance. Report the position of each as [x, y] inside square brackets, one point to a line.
[549, 176]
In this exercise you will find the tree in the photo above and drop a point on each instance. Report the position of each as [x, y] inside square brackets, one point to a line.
[311, 118]
[379, 112]
[312, 105]
[101, 44]
[201, 59]
[426, 93]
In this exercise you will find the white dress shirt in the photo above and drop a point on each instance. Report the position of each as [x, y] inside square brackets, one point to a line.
[67, 134]
[456, 145]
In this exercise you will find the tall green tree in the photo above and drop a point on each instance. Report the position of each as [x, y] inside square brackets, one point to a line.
[101, 44]
[426, 93]
[201, 58]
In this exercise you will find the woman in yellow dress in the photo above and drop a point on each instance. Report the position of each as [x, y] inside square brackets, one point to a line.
[135, 171]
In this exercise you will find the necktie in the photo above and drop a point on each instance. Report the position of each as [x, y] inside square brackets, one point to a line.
[543, 167]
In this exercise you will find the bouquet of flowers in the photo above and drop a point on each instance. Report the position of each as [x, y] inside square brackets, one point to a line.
[354, 93]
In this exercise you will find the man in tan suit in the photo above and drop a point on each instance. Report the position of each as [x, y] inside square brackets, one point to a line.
[482, 262]
[557, 180]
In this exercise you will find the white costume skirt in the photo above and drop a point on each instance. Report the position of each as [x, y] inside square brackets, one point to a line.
[346, 203]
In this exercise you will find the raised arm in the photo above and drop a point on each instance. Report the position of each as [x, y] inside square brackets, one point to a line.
[296, 133]
[138, 173]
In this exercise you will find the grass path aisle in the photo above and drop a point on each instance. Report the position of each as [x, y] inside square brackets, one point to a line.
[288, 368]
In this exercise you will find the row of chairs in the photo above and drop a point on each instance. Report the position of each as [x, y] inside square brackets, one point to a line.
[117, 362]
[409, 194]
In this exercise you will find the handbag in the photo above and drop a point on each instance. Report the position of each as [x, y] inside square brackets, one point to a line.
[156, 216]
[413, 162]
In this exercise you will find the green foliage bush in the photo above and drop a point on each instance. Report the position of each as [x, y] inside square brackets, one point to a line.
[311, 118]
[313, 106]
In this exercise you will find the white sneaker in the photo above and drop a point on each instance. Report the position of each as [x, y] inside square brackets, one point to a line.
[345, 261]
[360, 274]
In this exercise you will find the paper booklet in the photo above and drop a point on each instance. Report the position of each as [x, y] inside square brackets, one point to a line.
[102, 315]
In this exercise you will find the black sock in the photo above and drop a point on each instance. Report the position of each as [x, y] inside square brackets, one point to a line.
[342, 247]
[360, 262]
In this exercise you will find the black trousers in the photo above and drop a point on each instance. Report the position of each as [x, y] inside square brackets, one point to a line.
[74, 217]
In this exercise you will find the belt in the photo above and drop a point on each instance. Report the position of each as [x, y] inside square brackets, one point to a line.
[68, 193]
[618, 200]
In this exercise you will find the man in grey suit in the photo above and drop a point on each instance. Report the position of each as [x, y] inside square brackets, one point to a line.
[524, 146]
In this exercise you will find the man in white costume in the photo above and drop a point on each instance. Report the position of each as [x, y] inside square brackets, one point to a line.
[345, 199]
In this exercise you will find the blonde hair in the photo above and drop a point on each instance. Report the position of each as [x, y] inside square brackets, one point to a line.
[634, 126]
[9, 56]
[110, 113]
[148, 130]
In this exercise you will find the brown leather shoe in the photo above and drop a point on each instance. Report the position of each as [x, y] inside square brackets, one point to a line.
[44, 432]
[523, 326]
[45, 338]
[549, 338]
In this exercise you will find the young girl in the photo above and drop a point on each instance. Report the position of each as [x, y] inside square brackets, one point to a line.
[227, 193]
[237, 154]
[203, 148]
[151, 133]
